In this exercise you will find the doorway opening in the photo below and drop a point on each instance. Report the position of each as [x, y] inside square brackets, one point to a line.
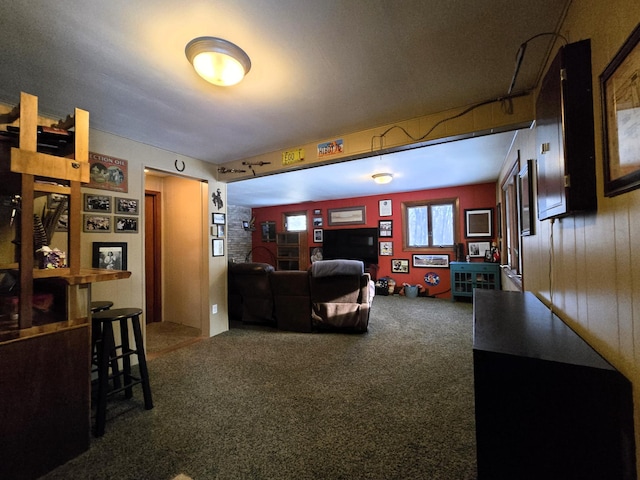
[176, 273]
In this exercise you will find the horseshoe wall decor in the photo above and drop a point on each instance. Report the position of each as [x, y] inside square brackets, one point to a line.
[177, 167]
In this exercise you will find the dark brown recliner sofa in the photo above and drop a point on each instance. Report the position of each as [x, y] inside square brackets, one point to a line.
[250, 286]
[331, 295]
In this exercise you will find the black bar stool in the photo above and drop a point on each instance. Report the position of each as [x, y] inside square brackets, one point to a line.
[100, 305]
[108, 353]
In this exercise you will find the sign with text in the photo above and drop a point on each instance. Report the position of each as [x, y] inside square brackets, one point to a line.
[333, 147]
[293, 156]
[108, 173]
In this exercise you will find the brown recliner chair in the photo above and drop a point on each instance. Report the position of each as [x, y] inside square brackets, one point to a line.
[252, 282]
[341, 295]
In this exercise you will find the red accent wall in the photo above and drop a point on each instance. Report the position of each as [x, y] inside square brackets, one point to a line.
[469, 197]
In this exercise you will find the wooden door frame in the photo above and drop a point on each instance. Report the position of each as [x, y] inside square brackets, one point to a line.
[157, 249]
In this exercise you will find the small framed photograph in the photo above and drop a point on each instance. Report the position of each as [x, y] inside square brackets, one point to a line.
[221, 229]
[317, 222]
[385, 228]
[431, 260]
[315, 254]
[478, 223]
[96, 223]
[477, 249]
[317, 235]
[386, 248]
[110, 255]
[399, 265]
[128, 206]
[126, 225]
[97, 203]
[217, 247]
[385, 209]
[268, 229]
[317, 211]
[218, 218]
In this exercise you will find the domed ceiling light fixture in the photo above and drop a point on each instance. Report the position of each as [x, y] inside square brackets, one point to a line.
[218, 61]
[382, 178]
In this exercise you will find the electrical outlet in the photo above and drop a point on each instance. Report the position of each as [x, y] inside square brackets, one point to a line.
[214, 308]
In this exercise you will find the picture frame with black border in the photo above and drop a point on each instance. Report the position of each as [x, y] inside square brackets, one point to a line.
[477, 249]
[399, 265]
[127, 206]
[620, 122]
[318, 235]
[97, 203]
[217, 247]
[317, 222]
[126, 224]
[385, 208]
[478, 223]
[386, 248]
[109, 255]
[96, 223]
[385, 228]
[430, 260]
[268, 230]
[317, 211]
[347, 216]
[218, 218]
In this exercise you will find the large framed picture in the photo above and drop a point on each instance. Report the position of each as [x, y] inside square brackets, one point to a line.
[110, 255]
[346, 216]
[620, 89]
[431, 260]
[478, 223]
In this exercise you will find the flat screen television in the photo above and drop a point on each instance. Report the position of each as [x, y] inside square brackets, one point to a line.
[351, 244]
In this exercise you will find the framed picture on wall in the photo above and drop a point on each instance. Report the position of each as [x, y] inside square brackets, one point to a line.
[384, 207]
[317, 235]
[347, 216]
[431, 260]
[217, 247]
[478, 223]
[97, 203]
[399, 265]
[110, 255]
[128, 206]
[386, 248]
[478, 249]
[126, 225]
[96, 223]
[385, 228]
[268, 230]
[218, 218]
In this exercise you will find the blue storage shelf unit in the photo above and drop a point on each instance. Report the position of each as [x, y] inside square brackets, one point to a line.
[465, 276]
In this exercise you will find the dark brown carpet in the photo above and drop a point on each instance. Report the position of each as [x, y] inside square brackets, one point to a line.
[255, 403]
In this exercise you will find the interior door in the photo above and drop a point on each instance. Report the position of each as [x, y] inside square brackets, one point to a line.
[153, 256]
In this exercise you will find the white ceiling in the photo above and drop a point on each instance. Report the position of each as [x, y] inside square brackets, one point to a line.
[319, 69]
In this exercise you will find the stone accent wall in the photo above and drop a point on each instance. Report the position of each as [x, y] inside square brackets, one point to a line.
[239, 241]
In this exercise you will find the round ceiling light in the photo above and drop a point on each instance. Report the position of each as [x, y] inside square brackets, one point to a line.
[382, 178]
[218, 61]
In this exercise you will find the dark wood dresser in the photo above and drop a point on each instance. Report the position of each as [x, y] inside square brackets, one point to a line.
[548, 406]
